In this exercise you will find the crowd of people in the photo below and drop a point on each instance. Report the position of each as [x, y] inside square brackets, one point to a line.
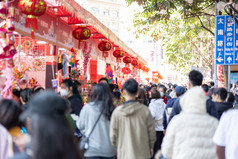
[137, 121]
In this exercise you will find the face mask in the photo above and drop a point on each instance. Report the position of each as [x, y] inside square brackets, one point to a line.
[161, 94]
[64, 92]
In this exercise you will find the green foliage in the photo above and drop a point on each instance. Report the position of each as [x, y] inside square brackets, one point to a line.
[179, 25]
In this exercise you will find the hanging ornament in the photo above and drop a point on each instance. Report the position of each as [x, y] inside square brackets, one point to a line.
[126, 70]
[82, 34]
[105, 46]
[3, 8]
[134, 62]
[127, 60]
[3, 42]
[118, 54]
[33, 9]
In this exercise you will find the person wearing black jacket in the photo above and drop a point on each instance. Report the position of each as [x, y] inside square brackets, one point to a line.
[70, 91]
[220, 95]
[195, 80]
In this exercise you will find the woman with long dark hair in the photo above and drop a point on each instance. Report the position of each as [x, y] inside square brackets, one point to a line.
[70, 91]
[51, 134]
[98, 113]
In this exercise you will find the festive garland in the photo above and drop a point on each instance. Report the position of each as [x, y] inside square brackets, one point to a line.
[38, 64]
[28, 44]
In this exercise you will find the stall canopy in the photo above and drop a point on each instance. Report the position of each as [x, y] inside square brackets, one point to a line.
[71, 13]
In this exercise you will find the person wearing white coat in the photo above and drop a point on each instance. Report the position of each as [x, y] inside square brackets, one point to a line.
[189, 134]
[156, 108]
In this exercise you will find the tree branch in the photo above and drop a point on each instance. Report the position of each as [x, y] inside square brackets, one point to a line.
[202, 25]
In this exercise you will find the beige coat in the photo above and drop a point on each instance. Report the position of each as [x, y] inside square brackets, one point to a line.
[132, 131]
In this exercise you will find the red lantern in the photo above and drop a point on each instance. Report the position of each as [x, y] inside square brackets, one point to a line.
[127, 60]
[32, 8]
[126, 70]
[118, 54]
[105, 46]
[82, 33]
[134, 62]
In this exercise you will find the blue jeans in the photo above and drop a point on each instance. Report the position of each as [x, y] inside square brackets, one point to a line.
[99, 157]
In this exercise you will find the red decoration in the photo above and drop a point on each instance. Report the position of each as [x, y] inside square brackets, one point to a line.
[127, 59]
[82, 33]
[105, 46]
[134, 62]
[3, 8]
[32, 8]
[126, 70]
[118, 54]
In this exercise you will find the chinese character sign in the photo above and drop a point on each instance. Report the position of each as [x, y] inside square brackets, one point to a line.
[226, 41]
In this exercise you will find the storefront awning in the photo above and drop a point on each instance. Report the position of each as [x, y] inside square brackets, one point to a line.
[73, 14]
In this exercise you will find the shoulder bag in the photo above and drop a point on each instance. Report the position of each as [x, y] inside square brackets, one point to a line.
[84, 142]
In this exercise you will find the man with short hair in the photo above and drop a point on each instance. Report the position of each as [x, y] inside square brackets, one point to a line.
[132, 126]
[195, 80]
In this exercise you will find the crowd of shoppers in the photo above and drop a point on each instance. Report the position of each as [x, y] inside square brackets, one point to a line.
[146, 121]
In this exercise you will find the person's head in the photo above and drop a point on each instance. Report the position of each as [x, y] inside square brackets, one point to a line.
[16, 95]
[9, 113]
[130, 88]
[162, 90]
[210, 92]
[26, 95]
[103, 80]
[68, 88]
[154, 93]
[230, 98]
[179, 90]
[141, 96]
[174, 86]
[195, 78]
[79, 85]
[211, 84]
[117, 94]
[38, 89]
[205, 87]
[219, 94]
[142, 86]
[102, 96]
[51, 134]
[112, 87]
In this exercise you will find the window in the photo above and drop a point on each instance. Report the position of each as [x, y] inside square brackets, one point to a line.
[95, 10]
[114, 13]
[105, 12]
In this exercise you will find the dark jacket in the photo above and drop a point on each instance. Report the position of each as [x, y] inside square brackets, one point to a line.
[169, 105]
[210, 106]
[76, 104]
[222, 107]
